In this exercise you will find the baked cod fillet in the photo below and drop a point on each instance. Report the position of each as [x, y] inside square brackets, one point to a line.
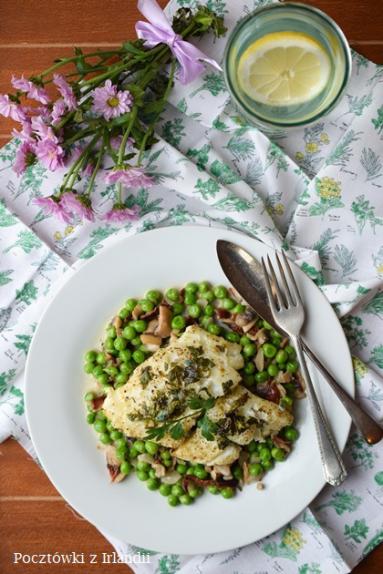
[158, 390]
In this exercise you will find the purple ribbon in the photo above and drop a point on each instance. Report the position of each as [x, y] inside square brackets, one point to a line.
[158, 31]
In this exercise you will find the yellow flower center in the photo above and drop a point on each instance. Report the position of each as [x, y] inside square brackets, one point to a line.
[113, 102]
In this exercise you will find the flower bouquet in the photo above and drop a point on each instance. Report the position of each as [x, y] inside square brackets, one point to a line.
[105, 109]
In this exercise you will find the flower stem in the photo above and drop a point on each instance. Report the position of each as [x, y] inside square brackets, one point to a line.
[132, 119]
[75, 167]
[97, 166]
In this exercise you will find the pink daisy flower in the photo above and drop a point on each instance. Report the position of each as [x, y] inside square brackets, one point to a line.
[21, 84]
[26, 132]
[58, 110]
[50, 153]
[111, 103]
[10, 109]
[66, 91]
[51, 206]
[74, 204]
[25, 156]
[42, 130]
[39, 94]
[130, 177]
[120, 214]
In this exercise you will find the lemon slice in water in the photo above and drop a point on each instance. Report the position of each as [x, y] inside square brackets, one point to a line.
[284, 68]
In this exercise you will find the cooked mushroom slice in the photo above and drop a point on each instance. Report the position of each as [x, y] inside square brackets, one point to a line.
[113, 465]
[151, 341]
[117, 324]
[164, 322]
[137, 311]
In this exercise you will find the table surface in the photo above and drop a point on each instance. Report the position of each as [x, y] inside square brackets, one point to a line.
[34, 519]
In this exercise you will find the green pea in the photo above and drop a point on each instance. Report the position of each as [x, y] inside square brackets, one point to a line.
[244, 340]
[103, 379]
[190, 471]
[89, 396]
[144, 466]
[153, 484]
[255, 469]
[238, 472]
[112, 371]
[91, 356]
[272, 370]
[276, 341]
[125, 468]
[136, 342]
[130, 304]
[152, 473]
[186, 499]
[101, 416]
[178, 308]
[227, 303]
[129, 332]
[227, 492]
[220, 292]
[287, 402]
[278, 454]
[133, 452]
[99, 426]
[165, 455]
[269, 350]
[200, 472]
[172, 294]
[264, 453]
[121, 443]
[151, 447]
[178, 323]
[97, 371]
[204, 287]
[261, 377]
[209, 296]
[191, 288]
[249, 368]
[109, 426]
[267, 464]
[126, 368]
[290, 433]
[90, 418]
[111, 332]
[140, 325]
[213, 489]
[194, 311]
[121, 379]
[281, 356]
[177, 490]
[88, 368]
[181, 468]
[116, 435]
[267, 326]
[139, 445]
[142, 475]
[249, 379]
[205, 322]
[109, 345]
[292, 367]
[232, 337]
[154, 296]
[146, 305]
[249, 350]
[194, 491]
[124, 313]
[238, 309]
[121, 454]
[190, 299]
[105, 438]
[252, 446]
[214, 329]
[290, 351]
[139, 357]
[165, 489]
[209, 310]
[120, 343]
[173, 500]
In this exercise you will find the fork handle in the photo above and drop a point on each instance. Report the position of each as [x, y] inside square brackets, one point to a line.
[370, 429]
[334, 469]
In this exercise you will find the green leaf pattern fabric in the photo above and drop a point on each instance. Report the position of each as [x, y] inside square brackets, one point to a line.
[316, 192]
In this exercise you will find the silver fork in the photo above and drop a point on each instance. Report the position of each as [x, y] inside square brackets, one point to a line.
[289, 314]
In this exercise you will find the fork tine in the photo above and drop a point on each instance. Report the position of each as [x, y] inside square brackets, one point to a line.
[292, 278]
[290, 299]
[268, 288]
[278, 292]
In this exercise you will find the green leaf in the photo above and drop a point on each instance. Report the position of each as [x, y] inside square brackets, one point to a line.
[134, 48]
[208, 428]
[177, 431]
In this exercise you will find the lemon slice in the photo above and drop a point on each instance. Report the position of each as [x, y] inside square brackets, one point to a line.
[284, 68]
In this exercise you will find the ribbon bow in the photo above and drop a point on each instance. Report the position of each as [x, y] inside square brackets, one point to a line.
[159, 31]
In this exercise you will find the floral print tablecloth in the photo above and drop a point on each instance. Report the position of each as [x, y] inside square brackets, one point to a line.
[316, 191]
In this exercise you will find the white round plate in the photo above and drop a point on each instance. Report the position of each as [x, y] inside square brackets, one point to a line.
[66, 444]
